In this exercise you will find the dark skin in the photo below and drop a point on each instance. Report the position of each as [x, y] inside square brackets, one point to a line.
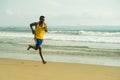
[33, 32]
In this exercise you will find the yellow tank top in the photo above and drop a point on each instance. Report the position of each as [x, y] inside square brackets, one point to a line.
[39, 31]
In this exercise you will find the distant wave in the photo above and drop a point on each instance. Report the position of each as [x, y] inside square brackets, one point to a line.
[83, 36]
[94, 34]
[15, 34]
[86, 33]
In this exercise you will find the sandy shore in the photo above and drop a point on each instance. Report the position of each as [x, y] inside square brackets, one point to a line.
[11, 69]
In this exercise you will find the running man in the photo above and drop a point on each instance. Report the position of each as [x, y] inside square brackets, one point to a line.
[38, 31]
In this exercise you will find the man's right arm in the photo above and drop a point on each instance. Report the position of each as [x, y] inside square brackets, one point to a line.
[31, 27]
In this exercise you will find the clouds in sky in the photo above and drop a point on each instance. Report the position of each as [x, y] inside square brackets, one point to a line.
[9, 12]
[60, 12]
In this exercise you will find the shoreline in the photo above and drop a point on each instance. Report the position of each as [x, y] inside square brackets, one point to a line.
[13, 69]
[103, 61]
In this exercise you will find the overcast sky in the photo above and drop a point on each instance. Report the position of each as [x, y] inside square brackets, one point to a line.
[60, 12]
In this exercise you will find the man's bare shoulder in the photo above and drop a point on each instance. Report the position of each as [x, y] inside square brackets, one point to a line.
[33, 24]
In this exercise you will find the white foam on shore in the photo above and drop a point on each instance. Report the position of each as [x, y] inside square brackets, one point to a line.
[103, 38]
[15, 35]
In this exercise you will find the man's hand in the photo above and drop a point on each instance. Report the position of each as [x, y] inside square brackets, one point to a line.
[46, 29]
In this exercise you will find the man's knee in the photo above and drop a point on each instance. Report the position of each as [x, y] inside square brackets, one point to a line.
[39, 47]
[36, 48]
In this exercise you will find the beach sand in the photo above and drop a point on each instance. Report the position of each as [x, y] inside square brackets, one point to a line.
[11, 69]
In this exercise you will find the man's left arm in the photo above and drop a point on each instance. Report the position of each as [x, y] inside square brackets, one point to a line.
[46, 29]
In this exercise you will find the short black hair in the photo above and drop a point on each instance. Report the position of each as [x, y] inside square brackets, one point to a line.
[42, 17]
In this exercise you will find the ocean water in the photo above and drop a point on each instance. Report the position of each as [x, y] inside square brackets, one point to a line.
[75, 44]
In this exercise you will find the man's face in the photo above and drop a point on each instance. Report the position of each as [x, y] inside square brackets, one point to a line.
[42, 19]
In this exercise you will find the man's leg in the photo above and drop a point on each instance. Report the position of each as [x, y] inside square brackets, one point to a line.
[33, 47]
[38, 43]
[40, 52]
